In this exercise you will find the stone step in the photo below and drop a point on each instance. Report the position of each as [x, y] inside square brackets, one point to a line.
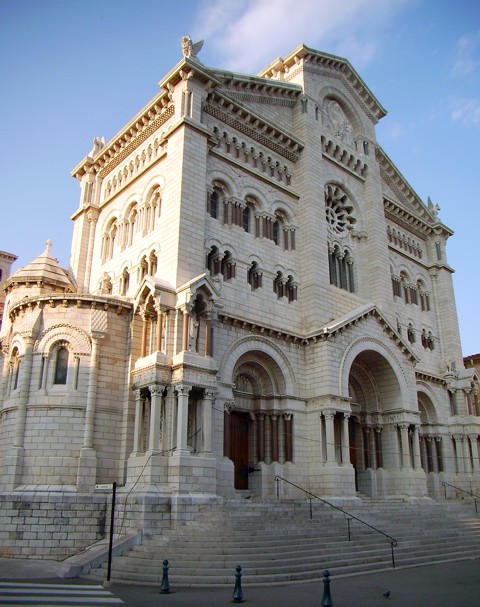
[278, 544]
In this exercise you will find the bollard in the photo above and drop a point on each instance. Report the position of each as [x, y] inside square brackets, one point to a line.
[237, 591]
[165, 587]
[327, 597]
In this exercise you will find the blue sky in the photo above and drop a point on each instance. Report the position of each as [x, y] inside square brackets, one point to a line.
[71, 70]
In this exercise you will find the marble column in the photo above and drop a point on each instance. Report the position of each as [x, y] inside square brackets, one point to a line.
[330, 436]
[182, 419]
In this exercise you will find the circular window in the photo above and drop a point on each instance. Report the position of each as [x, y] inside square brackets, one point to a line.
[338, 210]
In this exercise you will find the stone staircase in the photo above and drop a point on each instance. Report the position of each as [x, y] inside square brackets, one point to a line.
[278, 543]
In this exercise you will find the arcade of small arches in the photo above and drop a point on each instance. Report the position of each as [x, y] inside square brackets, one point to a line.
[248, 215]
[138, 221]
[159, 323]
[224, 264]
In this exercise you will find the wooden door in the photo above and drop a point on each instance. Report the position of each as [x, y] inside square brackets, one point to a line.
[239, 448]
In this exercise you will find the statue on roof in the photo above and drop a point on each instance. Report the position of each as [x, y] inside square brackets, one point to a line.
[189, 49]
[433, 208]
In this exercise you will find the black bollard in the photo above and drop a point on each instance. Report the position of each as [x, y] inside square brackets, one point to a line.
[327, 597]
[165, 587]
[237, 591]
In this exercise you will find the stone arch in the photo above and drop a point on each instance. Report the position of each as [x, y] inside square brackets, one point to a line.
[327, 93]
[376, 356]
[78, 339]
[262, 347]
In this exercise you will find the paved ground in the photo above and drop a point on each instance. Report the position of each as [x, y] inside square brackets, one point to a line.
[455, 583]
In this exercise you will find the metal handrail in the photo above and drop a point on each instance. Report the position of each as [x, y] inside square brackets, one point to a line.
[475, 497]
[391, 540]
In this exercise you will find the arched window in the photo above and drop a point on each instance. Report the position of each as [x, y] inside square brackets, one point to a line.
[61, 366]
[276, 232]
[254, 276]
[15, 368]
[213, 261]
[246, 219]
[340, 265]
[212, 205]
[125, 282]
[411, 334]
[228, 266]
[279, 285]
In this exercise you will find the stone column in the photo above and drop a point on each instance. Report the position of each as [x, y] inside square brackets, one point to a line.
[417, 464]
[274, 436]
[228, 408]
[366, 446]
[345, 440]
[24, 392]
[138, 429]
[144, 334]
[288, 437]
[474, 445]
[406, 462]
[378, 446]
[466, 455]
[261, 436]
[91, 394]
[207, 407]
[439, 452]
[156, 395]
[182, 419]
[159, 334]
[185, 331]
[92, 217]
[330, 436]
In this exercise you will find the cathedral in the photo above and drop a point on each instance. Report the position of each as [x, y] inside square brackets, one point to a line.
[254, 291]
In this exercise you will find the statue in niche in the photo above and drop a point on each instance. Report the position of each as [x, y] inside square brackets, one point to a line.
[338, 123]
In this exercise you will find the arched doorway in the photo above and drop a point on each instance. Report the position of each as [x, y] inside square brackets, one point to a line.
[375, 441]
[259, 426]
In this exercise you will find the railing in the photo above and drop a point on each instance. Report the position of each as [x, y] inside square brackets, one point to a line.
[391, 540]
[475, 497]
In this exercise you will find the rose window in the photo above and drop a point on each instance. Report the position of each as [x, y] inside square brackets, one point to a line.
[338, 210]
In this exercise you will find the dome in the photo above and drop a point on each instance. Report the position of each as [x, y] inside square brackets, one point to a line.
[44, 271]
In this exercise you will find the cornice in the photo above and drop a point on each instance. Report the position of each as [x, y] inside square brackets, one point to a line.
[323, 333]
[418, 216]
[144, 124]
[229, 111]
[430, 378]
[72, 300]
[302, 55]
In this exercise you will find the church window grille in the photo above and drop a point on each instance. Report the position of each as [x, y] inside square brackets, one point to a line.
[338, 210]
[61, 366]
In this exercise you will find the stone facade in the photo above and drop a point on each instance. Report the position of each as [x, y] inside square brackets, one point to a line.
[254, 290]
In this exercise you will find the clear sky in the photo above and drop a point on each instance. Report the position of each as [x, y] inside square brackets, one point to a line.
[71, 70]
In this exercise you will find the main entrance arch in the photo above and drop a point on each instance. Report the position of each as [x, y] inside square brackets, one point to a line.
[258, 423]
[383, 429]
